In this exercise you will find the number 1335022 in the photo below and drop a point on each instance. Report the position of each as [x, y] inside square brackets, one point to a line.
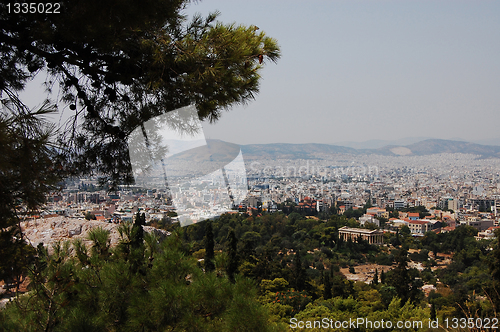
[471, 323]
[34, 8]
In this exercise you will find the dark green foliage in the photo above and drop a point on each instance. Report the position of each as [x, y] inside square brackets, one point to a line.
[265, 254]
[375, 278]
[327, 292]
[16, 255]
[404, 280]
[420, 209]
[387, 294]
[431, 241]
[460, 239]
[265, 247]
[405, 231]
[421, 256]
[299, 273]
[433, 311]
[400, 277]
[382, 221]
[468, 271]
[350, 213]
[396, 240]
[137, 230]
[98, 291]
[29, 169]
[270, 237]
[494, 268]
[232, 265]
[209, 248]
[297, 300]
[384, 259]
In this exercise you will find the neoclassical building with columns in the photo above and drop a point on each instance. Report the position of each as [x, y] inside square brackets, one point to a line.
[372, 236]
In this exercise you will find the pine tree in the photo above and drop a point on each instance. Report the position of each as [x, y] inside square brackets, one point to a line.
[28, 171]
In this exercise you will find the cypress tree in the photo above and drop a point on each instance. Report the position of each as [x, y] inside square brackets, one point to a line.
[137, 231]
[232, 265]
[433, 311]
[136, 249]
[397, 241]
[401, 277]
[327, 293]
[299, 273]
[209, 248]
[375, 278]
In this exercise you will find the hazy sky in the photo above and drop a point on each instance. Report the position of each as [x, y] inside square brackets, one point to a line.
[360, 70]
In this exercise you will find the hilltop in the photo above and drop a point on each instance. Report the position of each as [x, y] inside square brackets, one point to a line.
[224, 152]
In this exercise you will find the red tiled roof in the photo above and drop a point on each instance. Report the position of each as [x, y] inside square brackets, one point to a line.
[418, 222]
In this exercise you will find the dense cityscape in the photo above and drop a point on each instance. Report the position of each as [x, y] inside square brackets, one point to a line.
[458, 188]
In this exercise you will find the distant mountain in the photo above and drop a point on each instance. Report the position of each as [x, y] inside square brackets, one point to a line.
[425, 147]
[213, 151]
[293, 151]
[203, 159]
[487, 141]
[492, 141]
[433, 146]
[178, 146]
[378, 143]
[223, 152]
